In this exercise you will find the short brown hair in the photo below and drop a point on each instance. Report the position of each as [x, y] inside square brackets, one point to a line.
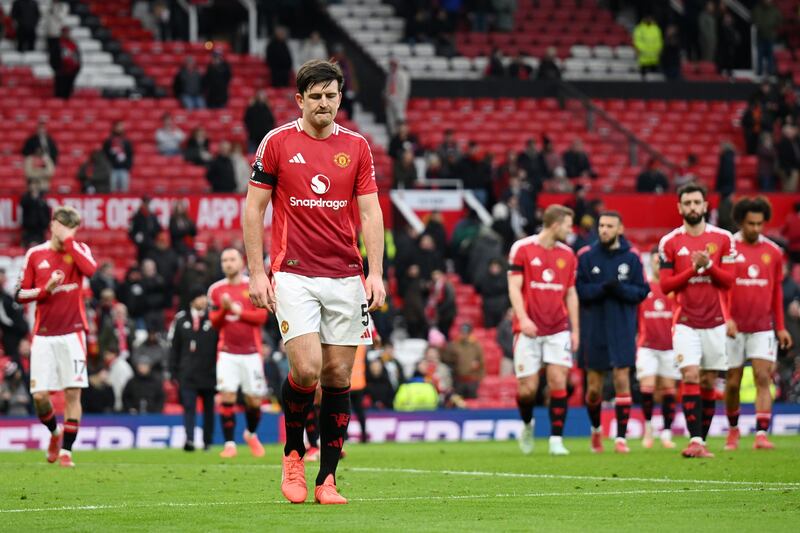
[556, 213]
[317, 71]
[691, 187]
[68, 216]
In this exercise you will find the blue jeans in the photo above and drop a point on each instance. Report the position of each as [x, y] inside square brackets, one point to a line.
[120, 180]
[765, 55]
[193, 102]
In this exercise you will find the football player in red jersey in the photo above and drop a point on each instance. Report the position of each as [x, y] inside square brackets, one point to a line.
[656, 368]
[239, 362]
[53, 277]
[697, 265]
[541, 287]
[756, 305]
[314, 171]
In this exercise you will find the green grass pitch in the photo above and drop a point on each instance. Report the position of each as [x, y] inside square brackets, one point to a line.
[465, 486]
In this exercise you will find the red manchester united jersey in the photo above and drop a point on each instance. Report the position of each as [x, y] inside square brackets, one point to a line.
[756, 300]
[238, 333]
[60, 311]
[547, 273]
[316, 182]
[655, 319]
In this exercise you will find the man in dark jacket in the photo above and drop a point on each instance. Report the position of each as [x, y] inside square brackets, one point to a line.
[216, 81]
[193, 364]
[144, 229]
[35, 214]
[144, 393]
[279, 58]
[221, 174]
[13, 326]
[119, 151]
[258, 119]
[610, 284]
[25, 14]
[41, 139]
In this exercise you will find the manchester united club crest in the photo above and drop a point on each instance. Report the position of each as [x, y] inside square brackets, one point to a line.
[342, 159]
[284, 327]
[68, 259]
[561, 263]
[711, 248]
[766, 258]
[246, 293]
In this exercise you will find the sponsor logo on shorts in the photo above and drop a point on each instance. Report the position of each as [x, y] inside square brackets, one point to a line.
[342, 159]
[284, 327]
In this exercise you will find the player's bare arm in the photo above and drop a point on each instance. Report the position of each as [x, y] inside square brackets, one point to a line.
[372, 226]
[574, 320]
[261, 293]
[526, 325]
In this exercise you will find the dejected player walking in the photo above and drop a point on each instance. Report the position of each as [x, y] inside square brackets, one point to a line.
[697, 265]
[239, 362]
[53, 277]
[313, 170]
[756, 304]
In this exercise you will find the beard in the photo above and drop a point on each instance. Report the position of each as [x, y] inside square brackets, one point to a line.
[693, 219]
[609, 243]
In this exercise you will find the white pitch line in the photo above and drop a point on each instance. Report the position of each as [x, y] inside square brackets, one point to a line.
[777, 484]
[106, 507]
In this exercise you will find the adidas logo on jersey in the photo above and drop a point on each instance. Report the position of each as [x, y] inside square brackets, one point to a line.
[596, 270]
[43, 264]
[536, 262]
[298, 158]
[683, 251]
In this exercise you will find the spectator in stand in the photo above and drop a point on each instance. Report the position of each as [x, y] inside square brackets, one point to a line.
[475, 171]
[396, 94]
[493, 288]
[728, 42]
[142, 11]
[14, 397]
[755, 121]
[789, 157]
[479, 12]
[404, 171]
[99, 396]
[195, 273]
[767, 164]
[144, 229]
[13, 325]
[560, 183]
[25, 14]
[404, 140]
[767, 19]
[434, 227]
[95, 173]
[279, 58]
[449, 145]
[726, 170]
[531, 161]
[144, 393]
[197, 148]
[35, 215]
[132, 295]
[182, 229]
[707, 22]
[519, 68]
[550, 158]
[440, 310]
[39, 167]
[167, 262]
[414, 303]
[651, 179]
[155, 298]
[119, 151]
[671, 54]
[241, 167]
[120, 371]
[465, 356]
[103, 280]
[576, 161]
[496, 67]
[429, 257]
[648, 42]
[379, 386]
[548, 66]
[504, 14]
[188, 85]
[505, 339]
[69, 66]
[350, 92]
[688, 172]
[221, 174]
[161, 14]
[312, 48]
[436, 372]
[41, 139]
[258, 119]
[216, 81]
[169, 137]
[53, 24]
[192, 364]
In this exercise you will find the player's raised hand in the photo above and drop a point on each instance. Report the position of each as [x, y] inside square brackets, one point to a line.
[55, 280]
[784, 339]
[261, 293]
[376, 292]
[700, 259]
[731, 329]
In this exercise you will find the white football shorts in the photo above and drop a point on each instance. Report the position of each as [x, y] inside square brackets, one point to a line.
[530, 353]
[757, 345]
[700, 347]
[241, 370]
[650, 362]
[58, 362]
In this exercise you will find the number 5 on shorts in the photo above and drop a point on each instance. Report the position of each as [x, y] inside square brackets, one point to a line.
[364, 315]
